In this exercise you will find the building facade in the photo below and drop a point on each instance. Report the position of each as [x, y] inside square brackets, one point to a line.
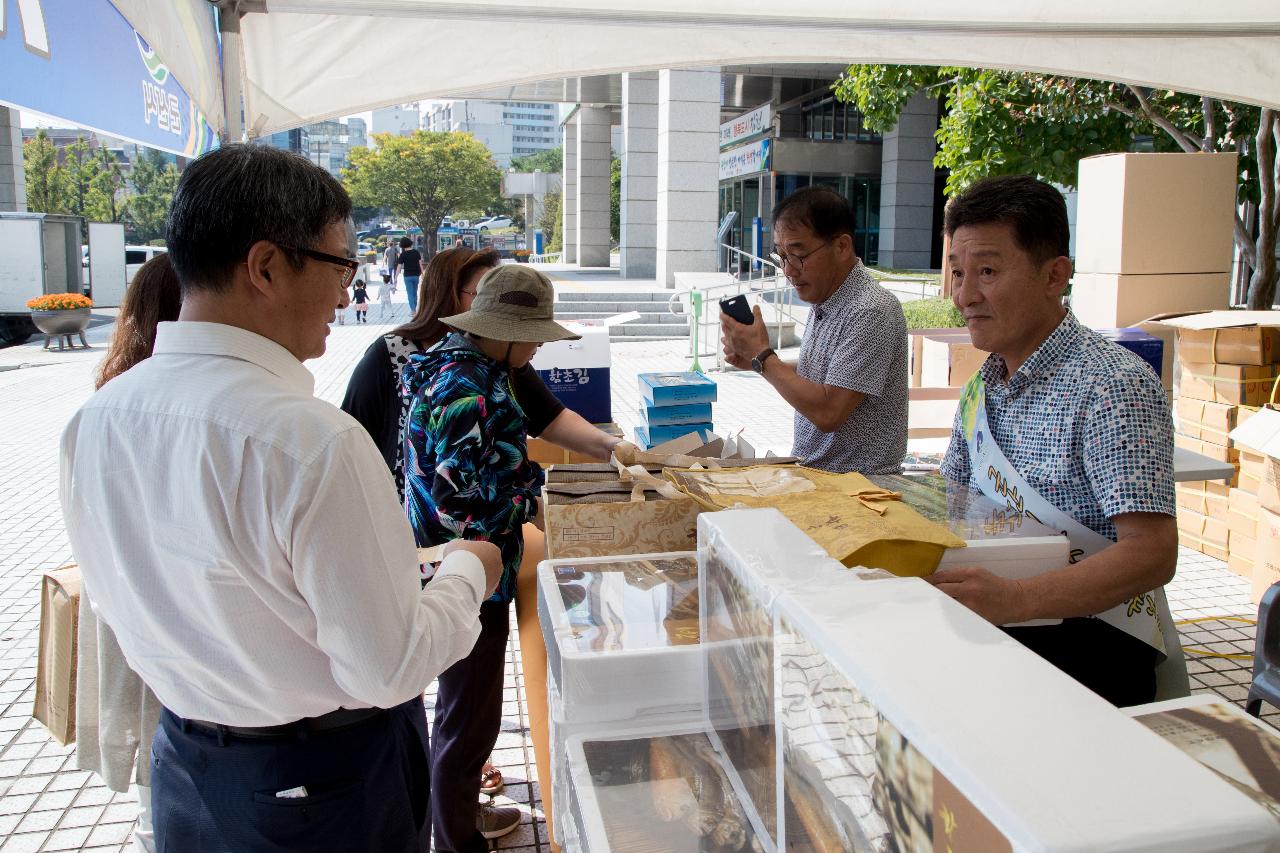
[509, 129]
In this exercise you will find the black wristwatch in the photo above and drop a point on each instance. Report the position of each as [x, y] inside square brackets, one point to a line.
[757, 363]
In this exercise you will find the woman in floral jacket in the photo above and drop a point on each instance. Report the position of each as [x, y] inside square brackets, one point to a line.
[468, 476]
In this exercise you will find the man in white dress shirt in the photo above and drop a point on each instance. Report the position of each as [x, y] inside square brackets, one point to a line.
[243, 540]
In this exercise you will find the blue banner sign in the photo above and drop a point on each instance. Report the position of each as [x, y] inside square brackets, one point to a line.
[81, 62]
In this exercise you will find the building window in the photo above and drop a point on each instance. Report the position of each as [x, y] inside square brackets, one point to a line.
[826, 119]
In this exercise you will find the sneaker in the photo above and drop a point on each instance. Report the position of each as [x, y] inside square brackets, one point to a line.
[497, 821]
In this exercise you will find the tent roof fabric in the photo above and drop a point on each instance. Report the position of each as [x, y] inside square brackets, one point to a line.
[307, 60]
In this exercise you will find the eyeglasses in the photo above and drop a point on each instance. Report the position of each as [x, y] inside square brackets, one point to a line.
[797, 261]
[349, 266]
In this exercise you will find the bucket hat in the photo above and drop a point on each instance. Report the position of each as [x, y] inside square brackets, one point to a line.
[513, 303]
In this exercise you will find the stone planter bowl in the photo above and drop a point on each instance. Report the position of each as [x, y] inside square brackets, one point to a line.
[61, 325]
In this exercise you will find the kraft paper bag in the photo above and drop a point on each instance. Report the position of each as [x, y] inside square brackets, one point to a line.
[55, 704]
[854, 520]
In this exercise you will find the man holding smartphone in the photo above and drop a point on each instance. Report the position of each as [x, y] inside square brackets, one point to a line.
[849, 386]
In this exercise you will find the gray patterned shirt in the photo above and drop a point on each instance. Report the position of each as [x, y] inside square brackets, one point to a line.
[857, 339]
[1086, 422]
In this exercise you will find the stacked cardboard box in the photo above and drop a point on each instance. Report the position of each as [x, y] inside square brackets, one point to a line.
[1259, 441]
[1225, 371]
[674, 405]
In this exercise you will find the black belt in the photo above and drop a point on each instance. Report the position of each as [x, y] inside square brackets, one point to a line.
[343, 718]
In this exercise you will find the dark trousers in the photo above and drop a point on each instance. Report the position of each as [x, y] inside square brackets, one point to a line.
[367, 788]
[468, 717]
[1116, 666]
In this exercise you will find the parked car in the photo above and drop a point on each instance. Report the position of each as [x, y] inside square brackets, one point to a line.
[494, 222]
[136, 256]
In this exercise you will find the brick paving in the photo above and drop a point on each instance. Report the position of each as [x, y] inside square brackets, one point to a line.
[48, 805]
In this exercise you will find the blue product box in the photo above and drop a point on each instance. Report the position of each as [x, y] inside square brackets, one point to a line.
[585, 390]
[692, 413]
[1147, 347]
[670, 389]
[652, 436]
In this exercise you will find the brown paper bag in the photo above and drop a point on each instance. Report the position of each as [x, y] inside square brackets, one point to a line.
[854, 520]
[55, 704]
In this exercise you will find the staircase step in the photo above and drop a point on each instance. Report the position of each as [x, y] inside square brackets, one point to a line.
[643, 319]
[613, 296]
[630, 330]
[610, 308]
[639, 339]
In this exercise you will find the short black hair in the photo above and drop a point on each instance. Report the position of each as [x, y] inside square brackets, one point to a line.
[236, 195]
[820, 209]
[1036, 211]
[406, 243]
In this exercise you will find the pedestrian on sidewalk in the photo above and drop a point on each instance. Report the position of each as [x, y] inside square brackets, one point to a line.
[384, 298]
[207, 495]
[390, 256]
[360, 296]
[411, 259]
[116, 714]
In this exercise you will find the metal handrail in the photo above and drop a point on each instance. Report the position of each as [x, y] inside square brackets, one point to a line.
[770, 287]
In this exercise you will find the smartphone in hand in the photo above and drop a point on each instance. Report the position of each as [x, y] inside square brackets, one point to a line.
[737, 308]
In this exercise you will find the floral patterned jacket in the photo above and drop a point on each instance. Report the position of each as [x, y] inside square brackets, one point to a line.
[466, 465]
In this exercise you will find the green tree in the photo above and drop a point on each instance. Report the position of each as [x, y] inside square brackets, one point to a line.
[78, 167]
[106, 188]
[551, 222]
[551, 160]
[46, 179]
[1006, 122]
[424, 177]
[154, 182]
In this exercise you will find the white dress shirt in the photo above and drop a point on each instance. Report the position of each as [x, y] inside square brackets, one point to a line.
[242, 539]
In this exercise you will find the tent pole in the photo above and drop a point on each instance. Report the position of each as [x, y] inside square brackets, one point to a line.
[232, 79]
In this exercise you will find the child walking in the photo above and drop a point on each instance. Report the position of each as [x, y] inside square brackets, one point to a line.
[384, 296]
[360, 298]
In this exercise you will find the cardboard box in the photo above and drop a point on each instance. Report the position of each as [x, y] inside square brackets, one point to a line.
[1237, 384]
[1251, 469]
[649, 437]
[577, 372]
[1207, 421]
[601, 519]
[1203, 533]
[545, 453]
[1266, 561]
[1102, 300]
[1261, 434]
[948, 361]
[1206, 448]
[1134, 214]
[915, 337]
[1240, 562]
[1197, 497]
[1143, 344]
[1231, 345]
[1155, 327]
[694, 413]
[55, 704]
[1242, 514]
[670, 389]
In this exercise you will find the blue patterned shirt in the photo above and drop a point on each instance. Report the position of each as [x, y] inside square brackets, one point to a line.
[1086, 422]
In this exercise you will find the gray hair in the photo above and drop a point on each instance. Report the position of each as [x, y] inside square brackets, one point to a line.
[235, 196]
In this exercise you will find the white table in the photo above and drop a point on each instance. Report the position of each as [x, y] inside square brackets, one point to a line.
[1189, 465]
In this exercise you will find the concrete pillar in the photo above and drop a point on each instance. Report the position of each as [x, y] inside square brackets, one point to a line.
[13, 184]
[593, 186]
[569, 195]
[906, 186]
[688, 171]
[638, 228]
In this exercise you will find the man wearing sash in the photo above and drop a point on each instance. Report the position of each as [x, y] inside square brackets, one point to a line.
[1070, 429]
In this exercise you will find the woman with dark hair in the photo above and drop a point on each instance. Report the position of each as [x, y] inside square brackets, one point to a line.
[373, 398]
[116, 714]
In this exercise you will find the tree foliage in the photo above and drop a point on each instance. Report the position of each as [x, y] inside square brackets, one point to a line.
[615, 200]
[1007, 122]
[424, 177]
[551, 222]
[46, 181]
[551, 160]
[154, 181]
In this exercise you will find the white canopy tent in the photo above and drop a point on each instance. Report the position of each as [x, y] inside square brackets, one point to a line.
[298, 61]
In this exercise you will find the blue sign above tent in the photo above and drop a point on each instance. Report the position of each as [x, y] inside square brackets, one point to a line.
[81, 62]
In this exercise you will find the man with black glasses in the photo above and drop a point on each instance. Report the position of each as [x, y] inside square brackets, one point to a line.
[244, 542]
[849, 387]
